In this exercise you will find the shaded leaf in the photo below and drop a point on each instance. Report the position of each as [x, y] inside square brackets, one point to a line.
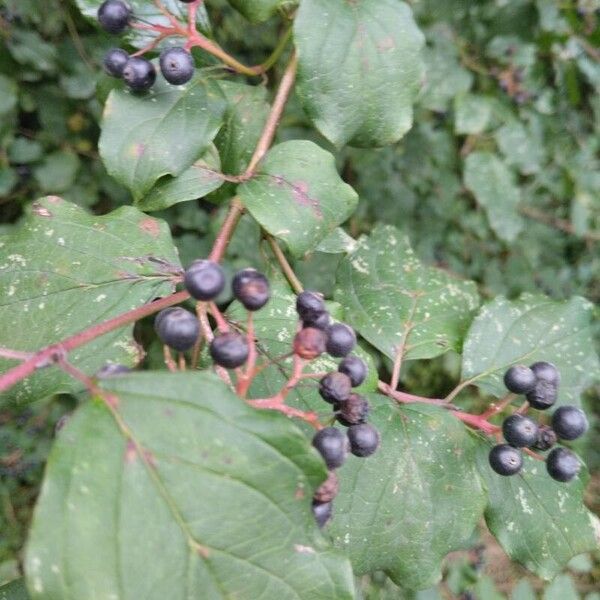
[258, 10]
[527, 330]
[418, 498]
[359, 68]
[62, 270]
[297, 195]
[14, 590]
[397, 303]
[188, 493]
[472, 113]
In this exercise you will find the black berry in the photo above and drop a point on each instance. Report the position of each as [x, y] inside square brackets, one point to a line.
[177, 328]
[139, 74]
[335, 387]
[229, 350]
[519, 379]
[569, 422]
[355, 368]
[545, 371]
[341, 339]
[364, 439]
[328, 490]
[309, 304]
[543, 395]
[562, 464]
[506, 460]
[332, 445]
[309, 343]
[114, 62]
[322, 512]
[251, 288]
[320, 320]
[354, 411]
[204, 280]
[520, 431]
[546, 438]
[114, 15]
[176, 65]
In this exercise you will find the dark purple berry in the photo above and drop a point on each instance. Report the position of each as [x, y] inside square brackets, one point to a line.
[328, 490]
[562, 464]
[332, 445]
[354, 411]
[204, 280]
[309, 343]
[114, 15]
[520, 431]
[545, 392]
[309, 304]
[519, 379]
[229, 350]
[341, 339]
[335, 387]
[569, 422]
[506, 460]
[114, 62]
[322, 512]
[320, 320]
[139, 74]
[176, 65]
[545, 371]
[177, 328]
[251, 288]
[546, 438]
[355, 368]
[364, 439]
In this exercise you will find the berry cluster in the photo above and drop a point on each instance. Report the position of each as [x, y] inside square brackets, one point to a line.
[539, 383]
[139, 74]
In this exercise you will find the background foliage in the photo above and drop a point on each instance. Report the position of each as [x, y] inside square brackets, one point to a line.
[509, 110]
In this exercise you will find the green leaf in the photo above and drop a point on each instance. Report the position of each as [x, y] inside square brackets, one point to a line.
[201, 178]
[149, 13]
[8, 95]
[258, 10]
[15, 590]
[521, 147]
[562, 588]
[398, 304]
[539, 522]
[58, 171]
[162, 132]
[187, 493]
[494, 188]
[359, 68]
[297, 195]
[473, 113]
[418, 498]
[63, 270]
[338, 242]
[527, 330]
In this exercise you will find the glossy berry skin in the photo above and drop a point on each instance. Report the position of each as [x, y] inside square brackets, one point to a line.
[229, 350]
[335, 387]
[176, 65]
[341, 339]
[139, 74]
[562, 464]
[251, 288]
[352, 412]
[355, 368]
[520, 431]
[177, 328]
[309, 343]
[543, 395]
[204, 280]
[546, 438]
[114, 62]
[519, 379]
[364, 439]
[114, 15]
[569, 422]
[309, 304]
[332, 445]
[505, 460]
[320, 320]
[328, 490]
[545, 371]
[323, 512]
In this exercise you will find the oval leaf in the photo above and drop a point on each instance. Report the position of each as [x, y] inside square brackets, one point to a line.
[527, 330]
[63, 270]
[182, 492]
[397, 303]
[418, 498]
[359, 68]
[297, 195]
[162, 132]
